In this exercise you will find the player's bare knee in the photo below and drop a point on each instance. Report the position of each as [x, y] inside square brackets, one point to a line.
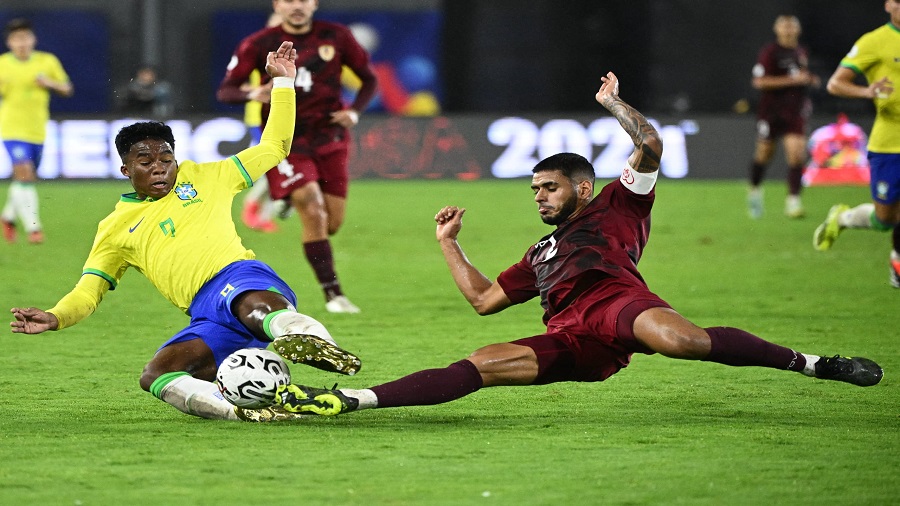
[313, 213]
[334, 225]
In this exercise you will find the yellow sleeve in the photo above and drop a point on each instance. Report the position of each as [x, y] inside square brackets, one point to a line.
[81, 301]
[56, 71]
[862, 55]
[278, 134]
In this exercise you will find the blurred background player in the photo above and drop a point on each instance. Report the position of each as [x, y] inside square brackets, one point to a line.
[27, 77]
[782, 75]
[874, 56]
[315, 175]
[257, 211]
[146, 94]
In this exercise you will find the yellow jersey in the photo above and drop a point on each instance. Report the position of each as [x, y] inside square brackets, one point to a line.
[182, 240]
[253, 108]
[25, 105]
[877, 55]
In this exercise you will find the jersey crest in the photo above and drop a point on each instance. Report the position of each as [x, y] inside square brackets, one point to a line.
[185, 191]
[326, 52]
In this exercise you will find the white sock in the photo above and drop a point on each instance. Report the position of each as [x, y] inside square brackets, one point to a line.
[857, 217]
[292, 322]
[9, 208]
[367, 398]
[810, 368]
[266, 210]
[895, 255]
[26, 203]
[197, 397]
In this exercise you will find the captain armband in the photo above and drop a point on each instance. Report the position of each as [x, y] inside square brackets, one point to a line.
[640, 183]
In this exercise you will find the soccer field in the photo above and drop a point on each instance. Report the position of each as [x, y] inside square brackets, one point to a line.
[76, 429]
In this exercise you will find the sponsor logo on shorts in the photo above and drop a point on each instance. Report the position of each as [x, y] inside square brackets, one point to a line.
[227, 290]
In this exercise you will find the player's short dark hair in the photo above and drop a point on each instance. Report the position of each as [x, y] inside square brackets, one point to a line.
[15, 25]
[132, 134]
[573, 166]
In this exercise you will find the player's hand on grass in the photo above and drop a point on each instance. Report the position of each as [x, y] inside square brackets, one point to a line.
[609, 90]
[449, 222]
[280, 63]
[32, 320]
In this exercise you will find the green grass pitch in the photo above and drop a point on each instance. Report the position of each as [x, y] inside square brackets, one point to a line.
[75, 428]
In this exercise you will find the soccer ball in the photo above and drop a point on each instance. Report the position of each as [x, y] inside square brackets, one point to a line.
[249, 378]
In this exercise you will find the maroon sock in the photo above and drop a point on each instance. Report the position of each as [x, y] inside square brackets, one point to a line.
[431, 386]
[794, 179]
[757, 171]
[319, 255]
[731, 346]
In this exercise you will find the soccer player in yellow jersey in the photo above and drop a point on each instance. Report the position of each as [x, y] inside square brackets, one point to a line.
[874, 56]
[27, 77]
[176, 229]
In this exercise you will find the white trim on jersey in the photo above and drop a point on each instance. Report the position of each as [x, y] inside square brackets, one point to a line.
[638, 182]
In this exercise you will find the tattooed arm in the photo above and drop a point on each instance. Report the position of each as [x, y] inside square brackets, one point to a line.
[647, 143]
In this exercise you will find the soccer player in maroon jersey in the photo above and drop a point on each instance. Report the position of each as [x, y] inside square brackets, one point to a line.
[782, 75]
[598, 310]
[314, 177]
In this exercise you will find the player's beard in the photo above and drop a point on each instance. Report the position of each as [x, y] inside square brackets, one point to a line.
[301, 27]
[565, 211]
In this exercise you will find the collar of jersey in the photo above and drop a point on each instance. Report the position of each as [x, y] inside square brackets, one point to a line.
[133, 198]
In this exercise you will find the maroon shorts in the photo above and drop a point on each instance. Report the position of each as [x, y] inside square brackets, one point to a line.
[774, 126]
[594, 337]
[326, 165]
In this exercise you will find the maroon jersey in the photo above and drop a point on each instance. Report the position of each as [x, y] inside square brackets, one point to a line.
[776, 60]
[603, 242]
[321, 53]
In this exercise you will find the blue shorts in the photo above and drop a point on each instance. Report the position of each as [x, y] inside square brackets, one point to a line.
[255, 135]
[20, 151]
[210, 311]
[885, 170]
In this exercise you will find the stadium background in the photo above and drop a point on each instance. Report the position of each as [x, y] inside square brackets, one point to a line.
[513, 80]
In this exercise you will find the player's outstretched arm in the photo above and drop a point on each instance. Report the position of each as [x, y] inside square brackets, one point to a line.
[275, 143]
[31, 320]
[647, 143]
[485, 296]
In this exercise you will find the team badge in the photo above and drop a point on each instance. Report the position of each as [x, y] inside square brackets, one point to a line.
[185, 191]
[881, 189]
[326, 52]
